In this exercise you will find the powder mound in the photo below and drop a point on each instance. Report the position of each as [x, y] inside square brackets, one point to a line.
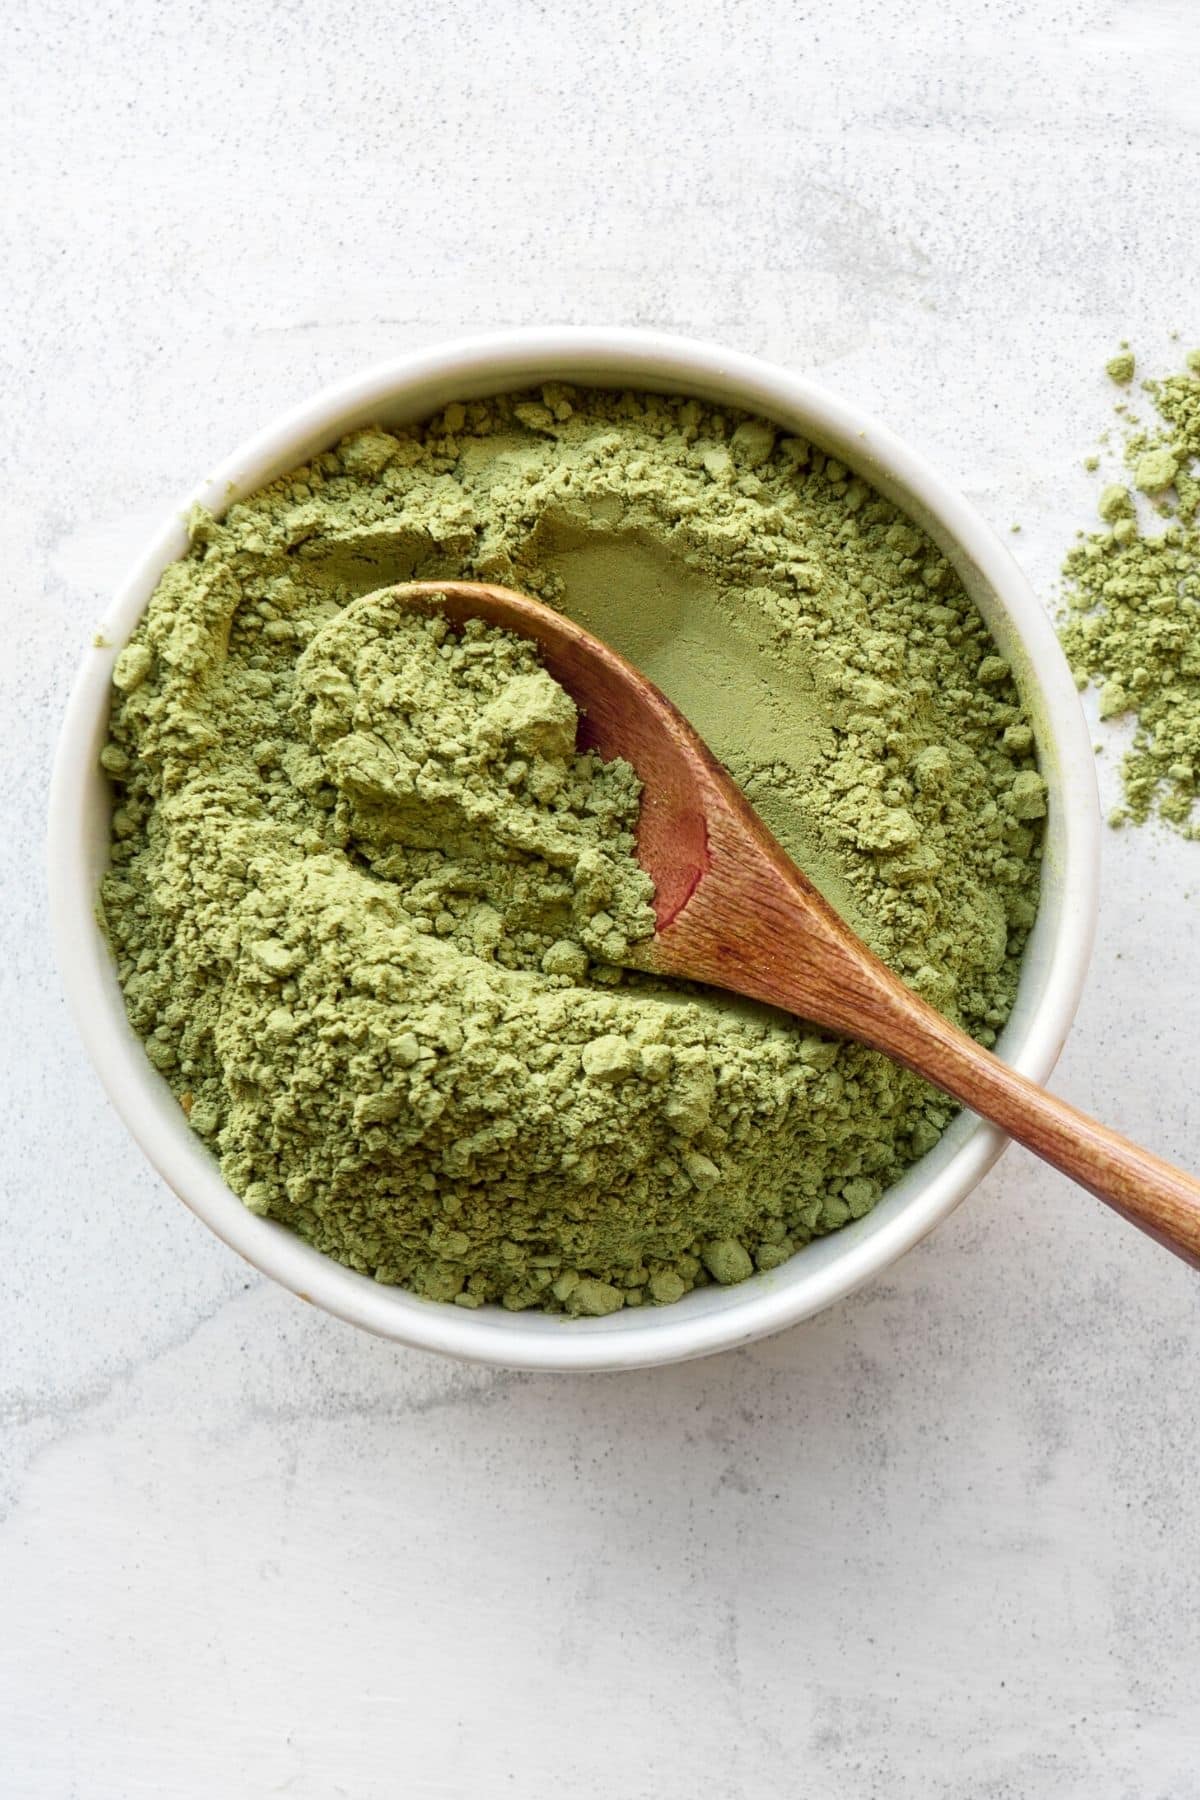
[463, 747]
[368, 902]
[1134, 621]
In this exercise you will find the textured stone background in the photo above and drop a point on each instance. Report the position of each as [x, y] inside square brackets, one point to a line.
[942, 1542]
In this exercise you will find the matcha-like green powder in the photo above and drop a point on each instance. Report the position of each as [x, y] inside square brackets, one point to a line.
[369, 904]
[1133, 591]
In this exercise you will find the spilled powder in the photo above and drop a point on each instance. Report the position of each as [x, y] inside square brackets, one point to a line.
[1133, 592]
[368, 904]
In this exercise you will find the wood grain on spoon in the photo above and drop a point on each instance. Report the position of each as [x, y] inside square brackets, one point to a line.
[735, 912]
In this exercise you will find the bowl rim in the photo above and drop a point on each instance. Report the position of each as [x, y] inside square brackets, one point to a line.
[622, 357]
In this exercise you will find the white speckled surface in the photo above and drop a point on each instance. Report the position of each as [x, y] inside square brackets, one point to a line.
[942, 1542]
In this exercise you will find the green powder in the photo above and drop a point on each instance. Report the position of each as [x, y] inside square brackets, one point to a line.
[454, 765]
[368, 904]
[1120, 367]
[1134, 621]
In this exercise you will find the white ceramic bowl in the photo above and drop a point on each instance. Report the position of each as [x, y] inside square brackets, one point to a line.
[713, 1318]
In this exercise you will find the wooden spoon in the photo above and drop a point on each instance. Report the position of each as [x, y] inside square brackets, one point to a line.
[735, 912]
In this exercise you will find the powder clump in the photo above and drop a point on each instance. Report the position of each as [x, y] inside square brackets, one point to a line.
[369, 903]
[1133, 626]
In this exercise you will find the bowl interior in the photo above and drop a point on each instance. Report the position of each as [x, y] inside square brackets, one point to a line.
[709, 1318]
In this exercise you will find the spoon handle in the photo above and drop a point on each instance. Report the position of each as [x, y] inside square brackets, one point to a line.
[1161, 1200]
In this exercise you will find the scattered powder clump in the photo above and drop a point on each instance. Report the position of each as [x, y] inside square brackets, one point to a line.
[1134, 596]
[369, 904]
[1120, 367]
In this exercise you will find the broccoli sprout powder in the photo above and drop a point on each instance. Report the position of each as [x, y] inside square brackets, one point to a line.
[368, 903]
[1133, 589]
